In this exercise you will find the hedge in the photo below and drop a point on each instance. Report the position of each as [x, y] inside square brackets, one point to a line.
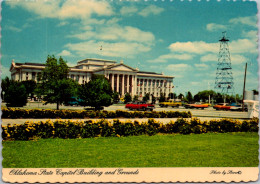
[15, 113]
[86, 129]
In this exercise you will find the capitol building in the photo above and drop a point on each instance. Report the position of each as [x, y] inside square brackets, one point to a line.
[124, 79]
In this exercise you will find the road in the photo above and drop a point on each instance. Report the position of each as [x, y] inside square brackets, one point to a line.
[207, 112]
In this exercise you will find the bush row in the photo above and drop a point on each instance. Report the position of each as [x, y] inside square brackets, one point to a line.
[69, 114]
[85, 129]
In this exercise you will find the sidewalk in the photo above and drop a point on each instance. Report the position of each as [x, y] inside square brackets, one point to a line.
[163, 120]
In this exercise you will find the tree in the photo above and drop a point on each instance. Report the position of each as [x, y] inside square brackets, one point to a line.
[153, 99]
[172, 95]
[146, 97]
[180, 96]
[189, 97]
[97, 92]
[15, 94]
[135, 98]
[4, 86]
[162, 97]
[30, 86]
[115, 97]
[218, 98]
[54, 83]
[127, 98]
[204, 95]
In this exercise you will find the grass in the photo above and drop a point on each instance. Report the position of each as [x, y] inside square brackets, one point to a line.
[203, 150]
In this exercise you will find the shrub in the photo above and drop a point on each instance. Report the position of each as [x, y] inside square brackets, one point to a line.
[70, 114]
[86, 129]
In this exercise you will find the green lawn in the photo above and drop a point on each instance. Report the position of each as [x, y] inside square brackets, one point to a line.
[203, 150]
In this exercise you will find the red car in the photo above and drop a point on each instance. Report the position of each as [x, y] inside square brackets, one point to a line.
[139, 106]
[222, 106]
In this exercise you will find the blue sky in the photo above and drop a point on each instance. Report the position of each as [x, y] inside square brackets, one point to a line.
[177, 38]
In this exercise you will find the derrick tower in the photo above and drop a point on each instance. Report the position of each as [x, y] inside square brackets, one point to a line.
[224, 77]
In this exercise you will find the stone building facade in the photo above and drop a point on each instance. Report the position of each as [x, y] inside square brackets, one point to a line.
[123, 78]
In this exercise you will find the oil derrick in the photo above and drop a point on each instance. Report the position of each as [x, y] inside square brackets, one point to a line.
[224, 77]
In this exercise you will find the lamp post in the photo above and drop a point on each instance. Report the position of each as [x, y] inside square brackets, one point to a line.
[3, 95]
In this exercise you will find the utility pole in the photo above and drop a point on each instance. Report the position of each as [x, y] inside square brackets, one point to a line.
[243, 105]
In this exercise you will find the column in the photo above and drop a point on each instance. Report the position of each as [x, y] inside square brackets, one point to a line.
[143, 88]
[112, 82]
[127, 83]
[117, 83]
[139, 87]
[133, 86]
[80, 79]
[136, 85]
[16, 76]
[123, 85]
[29, 75]
[155, 88]
[23, 76]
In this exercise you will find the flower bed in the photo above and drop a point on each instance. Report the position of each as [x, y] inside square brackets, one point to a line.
[85, 129]
[15, 113]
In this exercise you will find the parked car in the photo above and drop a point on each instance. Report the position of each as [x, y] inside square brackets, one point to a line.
[170, 103]
[221, 106]
[239, 108]
[75, 101]
[139, 106]
[197, 105]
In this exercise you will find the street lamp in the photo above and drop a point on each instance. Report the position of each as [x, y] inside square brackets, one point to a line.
[3, 95]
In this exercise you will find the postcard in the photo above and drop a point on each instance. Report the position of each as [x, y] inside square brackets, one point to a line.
[129, 91]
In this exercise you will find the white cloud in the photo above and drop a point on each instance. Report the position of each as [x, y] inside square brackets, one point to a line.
[236, 46]
[118, 49]
[198, 47]
[178, 67]
[167, 57]
[238, 59]
[250, 21]
[215, 27]
[209, 57]
[250, 34]
[117, 32]
[65, 53]
[152, 9]
[126, 10]
[235, 58]
[65, 9]
[243, 46]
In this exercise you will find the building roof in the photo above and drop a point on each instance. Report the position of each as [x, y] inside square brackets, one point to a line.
[149, 72]
[93, 59]
[115, 65]
[37, 64]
